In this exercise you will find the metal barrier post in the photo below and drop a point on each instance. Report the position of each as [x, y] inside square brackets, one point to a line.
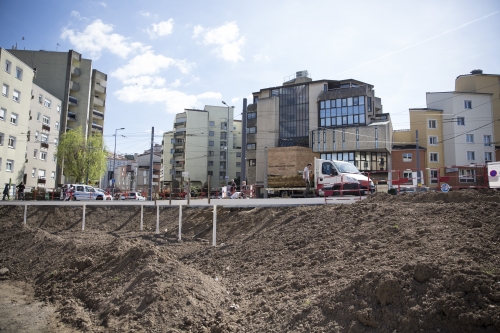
[341, 185]
[209, 190]
[157, 219]
[214, 233]
[399, 181]
[25, 212]
[142, 217]
[83, 219]
[189, 190]
[180, 222]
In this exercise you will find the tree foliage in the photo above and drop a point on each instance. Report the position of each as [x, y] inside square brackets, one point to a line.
[78, 156]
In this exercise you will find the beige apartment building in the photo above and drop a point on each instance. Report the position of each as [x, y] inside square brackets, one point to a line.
[203, 143]
[340, 120]
[16, 79]
[479, 82]
[44, 126]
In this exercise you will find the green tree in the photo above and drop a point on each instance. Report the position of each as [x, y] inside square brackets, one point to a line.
[81, 158]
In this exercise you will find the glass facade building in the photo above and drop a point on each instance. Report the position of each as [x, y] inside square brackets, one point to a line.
[342, 112]
[293, 115]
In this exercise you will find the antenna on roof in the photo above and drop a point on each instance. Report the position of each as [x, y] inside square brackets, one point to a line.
[57, 45]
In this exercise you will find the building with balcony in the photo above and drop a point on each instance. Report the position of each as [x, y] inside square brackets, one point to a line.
[70, 78]
[16, 79]
[340, 120]
[203, 143]
[143, 169]
[43, 138]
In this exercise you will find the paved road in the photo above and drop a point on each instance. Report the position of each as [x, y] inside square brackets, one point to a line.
[198, 202]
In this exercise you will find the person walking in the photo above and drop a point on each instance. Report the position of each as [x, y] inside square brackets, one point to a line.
[20, 191]
[6, 192]
[305, 176]
[233, 186]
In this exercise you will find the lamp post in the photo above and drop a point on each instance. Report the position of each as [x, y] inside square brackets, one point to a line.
[114, 162]
[227, 139]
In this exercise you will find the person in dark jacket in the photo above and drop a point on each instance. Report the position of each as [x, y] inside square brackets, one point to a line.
[20, 191]
[6, 192]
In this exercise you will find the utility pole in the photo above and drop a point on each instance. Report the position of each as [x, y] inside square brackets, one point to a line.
[265, 173]
[150, 190]
[419, 182]
[244, 144]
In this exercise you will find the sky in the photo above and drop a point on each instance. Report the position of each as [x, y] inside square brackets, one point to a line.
[164, 56]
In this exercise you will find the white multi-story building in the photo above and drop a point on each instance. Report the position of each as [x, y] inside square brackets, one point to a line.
[468, 136]
[16, 80]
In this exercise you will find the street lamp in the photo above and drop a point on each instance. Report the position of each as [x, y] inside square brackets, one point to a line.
[114, 161]
[227, 139]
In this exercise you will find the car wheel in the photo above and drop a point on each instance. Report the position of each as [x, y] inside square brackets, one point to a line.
[99, 198]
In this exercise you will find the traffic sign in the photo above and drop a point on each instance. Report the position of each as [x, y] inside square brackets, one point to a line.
[112, 181]
[493, 173]
[445, 187]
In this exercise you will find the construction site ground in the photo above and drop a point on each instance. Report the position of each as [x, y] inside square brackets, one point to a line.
[426, 262]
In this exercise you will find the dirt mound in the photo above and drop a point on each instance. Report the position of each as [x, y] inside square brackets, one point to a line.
[408, 263]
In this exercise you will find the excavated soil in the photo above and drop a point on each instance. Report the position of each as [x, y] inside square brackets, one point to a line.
[427, 262]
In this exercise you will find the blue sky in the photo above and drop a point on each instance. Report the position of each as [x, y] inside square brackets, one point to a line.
[164, 56]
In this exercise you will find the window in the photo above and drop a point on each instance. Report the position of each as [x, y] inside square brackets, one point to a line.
[471, 155]
[19, 73]
[53, 175]
[3, 112]
[467, 104]
[433, 157]
[210, 173]
[43, 155]
[210, 143]
[13, 118]
[35, 153]
[46, 120]
[5, 90]
[38, 115]
[56, 142]
[461, 121]
[44, 138]
[8, 66]
[238, 164]
[36, 135]
[58, 109]
[433, 140]
[223, 135]
[54, 158]
[251, 146]
[16, 96]
[33, 173]
[432, 123]
[238, 154]
[12, 142]
[407, 157]
[211, 133]
[210, 163]
[57, 125]
[252, 162]
[488, 156]
[9, 166]
[41, 174]
[211, 123]
[1, 139]
[47, 103]
[467, 175]
[434, 176]
[255, 99]
[469, 138]
[251, 115]
[487, 140]
[252, 130]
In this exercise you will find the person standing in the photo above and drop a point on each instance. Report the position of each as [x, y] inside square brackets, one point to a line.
[233, 186]
[305, 176]
[6, 192]
[20, 191]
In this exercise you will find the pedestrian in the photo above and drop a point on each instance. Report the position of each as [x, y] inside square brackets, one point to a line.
[6, 192]
[69, 193]
[63, 192]
[20, 191]
[305, 176]
[233, 186]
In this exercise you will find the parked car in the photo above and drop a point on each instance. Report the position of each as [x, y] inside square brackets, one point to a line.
[120, 196]
[82, 192]
[107, 195]
[134, 196]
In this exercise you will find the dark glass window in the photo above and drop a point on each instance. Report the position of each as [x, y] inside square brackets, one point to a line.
[294, 116]
[251, 146]
[251, 115]
[342, 112]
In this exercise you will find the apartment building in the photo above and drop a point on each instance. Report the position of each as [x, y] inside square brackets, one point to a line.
[404, 158]
[141, 173]
[203, 143]
[16, 79]
[43, 138]
[479, 82]
[340, 119]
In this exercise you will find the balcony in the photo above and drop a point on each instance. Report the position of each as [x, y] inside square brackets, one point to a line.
[44, 145]
[98, 114]
[73, 101]
[180, 124]
[96, 127]
[178, 144]
[73, 86]
[100, 89]
[41, 180]
[75, 71]
[71, 116]
[178, 134]
[178, 154]
[98, 101]
[45, 128]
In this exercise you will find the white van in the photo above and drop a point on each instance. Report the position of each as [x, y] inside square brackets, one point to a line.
[82, 192]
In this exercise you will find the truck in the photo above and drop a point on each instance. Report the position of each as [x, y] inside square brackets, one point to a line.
[285, 174]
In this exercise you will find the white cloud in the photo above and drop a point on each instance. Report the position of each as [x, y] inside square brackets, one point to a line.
[175, 101]
[234, 100]
[145, 14]
[161, 29]
[149, 64]
[226, 38]
[176, 83]
[145, 80]
[103, 4]
[76, 14]
[97, 37]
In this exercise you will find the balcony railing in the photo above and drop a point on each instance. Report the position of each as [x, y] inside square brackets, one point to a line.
[99, 88]
[178, 154]
[98, 114]
[96, 127]
[41, 180]
[179, 144]
[45, 128]
[73, 100]
[180, 124]
[44, 145]
[71, 116]
[98, 101]
[177, 134]
[73, 86]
